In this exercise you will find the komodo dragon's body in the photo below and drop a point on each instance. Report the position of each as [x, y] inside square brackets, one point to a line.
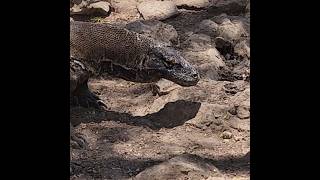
[98, 48]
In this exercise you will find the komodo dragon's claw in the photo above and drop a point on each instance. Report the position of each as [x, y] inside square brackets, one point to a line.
[156, 90]
[102, 104]
[76, 140]
[85, 98]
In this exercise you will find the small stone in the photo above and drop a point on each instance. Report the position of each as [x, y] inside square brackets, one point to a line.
[243, 112]
[228, 56]
[226, 135]
[226, 140]
[233, 110]
[230, 88]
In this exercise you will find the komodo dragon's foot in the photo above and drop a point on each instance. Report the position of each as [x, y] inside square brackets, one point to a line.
[155, 89]
[85, 98]
[77, 141]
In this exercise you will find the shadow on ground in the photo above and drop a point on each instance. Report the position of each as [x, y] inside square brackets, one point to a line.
[173, 114]
[233, 164]
[118, 167]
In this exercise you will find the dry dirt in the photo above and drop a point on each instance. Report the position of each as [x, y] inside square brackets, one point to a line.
[199, 132]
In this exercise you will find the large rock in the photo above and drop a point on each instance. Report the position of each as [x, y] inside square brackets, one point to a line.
[242, 103]
[123, 12]
[180, 167]
[200, 52]
[232, 31]
[243, 111]
[197, 42]
[232, 7]
[155, 29]
[101, 8]
[208, 62]
[242, 49]
[77, 5]
[104, 6]
[230, 34]
[188, 4]
[239, 124]
[210, 116]
[234, 19]
[208, 27]
[126, 6]
[157, 10]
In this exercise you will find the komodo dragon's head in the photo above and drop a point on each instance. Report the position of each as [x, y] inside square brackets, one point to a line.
[170, 65]
[160, 61]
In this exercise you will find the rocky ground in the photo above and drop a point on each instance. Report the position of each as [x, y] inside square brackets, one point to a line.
[199, 132]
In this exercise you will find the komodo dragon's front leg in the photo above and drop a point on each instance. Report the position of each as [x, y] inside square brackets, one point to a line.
[80, 95]
[76, 140]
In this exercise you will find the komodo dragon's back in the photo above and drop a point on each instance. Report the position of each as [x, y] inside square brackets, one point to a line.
[105, 41]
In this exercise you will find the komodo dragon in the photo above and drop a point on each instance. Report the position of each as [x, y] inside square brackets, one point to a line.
[98, 48]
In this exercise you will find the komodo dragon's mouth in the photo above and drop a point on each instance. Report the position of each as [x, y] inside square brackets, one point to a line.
[183, 78]
[134, 75]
